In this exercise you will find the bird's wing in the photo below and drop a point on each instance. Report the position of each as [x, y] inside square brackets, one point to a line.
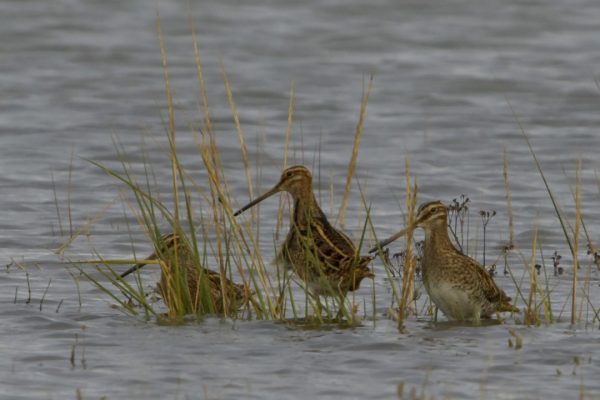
[490, 290]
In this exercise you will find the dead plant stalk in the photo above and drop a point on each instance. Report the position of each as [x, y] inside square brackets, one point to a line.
[410, 263]
[352, 165]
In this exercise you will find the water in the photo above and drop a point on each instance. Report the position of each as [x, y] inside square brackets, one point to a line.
[76, 75]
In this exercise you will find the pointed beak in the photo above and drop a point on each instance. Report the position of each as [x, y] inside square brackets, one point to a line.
[389, 240]
[254, 202]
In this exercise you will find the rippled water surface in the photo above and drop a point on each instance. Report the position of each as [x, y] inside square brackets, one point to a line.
[77, 77]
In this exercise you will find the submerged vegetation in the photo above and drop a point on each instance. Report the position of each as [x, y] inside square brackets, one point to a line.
[211, 262]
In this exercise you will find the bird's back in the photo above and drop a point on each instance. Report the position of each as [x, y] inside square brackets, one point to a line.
[318, 251]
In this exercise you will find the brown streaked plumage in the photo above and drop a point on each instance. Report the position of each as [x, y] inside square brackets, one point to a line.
[323, 257]
[225, 295]
[457, 284]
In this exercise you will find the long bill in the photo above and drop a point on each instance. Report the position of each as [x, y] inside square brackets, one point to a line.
[132, 270]
[258, 200]
[152, 259]
[389, 240]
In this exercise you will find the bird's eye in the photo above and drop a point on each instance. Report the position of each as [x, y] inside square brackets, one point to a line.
[288, 174]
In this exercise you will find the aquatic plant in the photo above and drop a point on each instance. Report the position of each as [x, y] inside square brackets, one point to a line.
[458, 212]
[486, 217]
[213, 244]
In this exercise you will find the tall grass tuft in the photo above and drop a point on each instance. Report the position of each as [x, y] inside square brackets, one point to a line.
[572, 242]
[410, 263]
[200, 255]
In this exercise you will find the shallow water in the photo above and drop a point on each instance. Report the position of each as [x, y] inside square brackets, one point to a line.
[76, 75]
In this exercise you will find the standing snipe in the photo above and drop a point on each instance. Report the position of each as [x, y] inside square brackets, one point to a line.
[225, 296]
[323, 257]
[457, 284]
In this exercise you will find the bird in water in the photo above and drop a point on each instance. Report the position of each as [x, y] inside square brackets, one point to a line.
[320, 255]
[457, 284]
[209, 291]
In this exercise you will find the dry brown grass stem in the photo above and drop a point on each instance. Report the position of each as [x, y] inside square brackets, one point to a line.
[56, 205]
[69, 192]
[218, 199]
[290, 117]
[410, 263]
[286, 149]
[171, 127]
[531, 314]
[352, 164]
[576, 241]
[238, 128]
[214, 159]
[163, 57]
[588, 237]
[200, 73]
[511, 230]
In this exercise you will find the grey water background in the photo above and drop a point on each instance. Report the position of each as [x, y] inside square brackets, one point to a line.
[76, 76]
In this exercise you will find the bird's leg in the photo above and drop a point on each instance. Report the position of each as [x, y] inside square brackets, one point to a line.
[341, 308]
[477, 318]
[339, 317]
[319, 306]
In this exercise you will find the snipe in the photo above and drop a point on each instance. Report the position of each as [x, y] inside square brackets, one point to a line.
[457, 284]
[323, 257]
[224, 296]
